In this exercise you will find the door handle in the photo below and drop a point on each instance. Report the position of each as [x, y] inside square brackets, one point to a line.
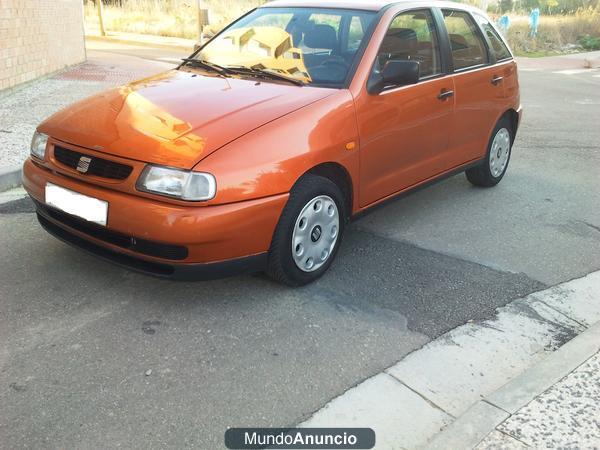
[444, 94]
[496, 80]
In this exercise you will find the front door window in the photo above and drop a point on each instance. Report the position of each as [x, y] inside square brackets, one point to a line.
[412, 36]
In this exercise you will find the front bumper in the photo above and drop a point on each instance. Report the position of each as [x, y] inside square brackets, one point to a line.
[190, 272]
[184, 242]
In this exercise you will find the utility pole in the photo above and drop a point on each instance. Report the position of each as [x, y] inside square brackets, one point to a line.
[100, 18]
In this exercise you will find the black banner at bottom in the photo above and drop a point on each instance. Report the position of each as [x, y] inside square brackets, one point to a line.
[299, 438]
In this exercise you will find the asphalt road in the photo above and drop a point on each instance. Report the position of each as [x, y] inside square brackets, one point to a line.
[93, 355]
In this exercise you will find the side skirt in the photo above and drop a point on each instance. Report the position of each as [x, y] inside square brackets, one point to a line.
[386, 200]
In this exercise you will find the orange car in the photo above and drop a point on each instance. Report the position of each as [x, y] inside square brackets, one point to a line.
[258, 149]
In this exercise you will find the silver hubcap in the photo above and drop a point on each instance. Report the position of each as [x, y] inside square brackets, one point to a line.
[499, 152]
[315, 233]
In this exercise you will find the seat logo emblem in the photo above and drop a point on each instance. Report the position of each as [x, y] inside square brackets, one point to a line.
[84, 164]
[315, 234]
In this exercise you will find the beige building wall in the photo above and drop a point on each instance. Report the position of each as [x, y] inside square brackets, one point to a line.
[38, 37]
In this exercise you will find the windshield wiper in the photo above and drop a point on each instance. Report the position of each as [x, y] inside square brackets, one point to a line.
[265, 73]
[205, 64]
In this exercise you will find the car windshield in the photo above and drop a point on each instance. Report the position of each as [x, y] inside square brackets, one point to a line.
[315, 46]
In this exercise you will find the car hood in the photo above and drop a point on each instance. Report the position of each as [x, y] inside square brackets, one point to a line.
[176, 118]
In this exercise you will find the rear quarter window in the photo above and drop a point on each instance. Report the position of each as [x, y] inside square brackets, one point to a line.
[499, 48]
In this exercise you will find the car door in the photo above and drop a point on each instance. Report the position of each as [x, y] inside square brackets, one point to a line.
[478, 86]
[506, 68]
[404, 130]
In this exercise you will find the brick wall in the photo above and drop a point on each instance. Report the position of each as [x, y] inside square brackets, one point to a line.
[39, 37]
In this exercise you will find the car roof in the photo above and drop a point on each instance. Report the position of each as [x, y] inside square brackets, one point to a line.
[367, 5]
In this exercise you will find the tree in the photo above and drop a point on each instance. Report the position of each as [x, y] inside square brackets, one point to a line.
[549, 5]
[506, 5]
[100, 18]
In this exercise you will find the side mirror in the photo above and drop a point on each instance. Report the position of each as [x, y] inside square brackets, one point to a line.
[394, 73]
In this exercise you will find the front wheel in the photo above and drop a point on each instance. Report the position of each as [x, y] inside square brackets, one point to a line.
[309, 232]
[492, 169]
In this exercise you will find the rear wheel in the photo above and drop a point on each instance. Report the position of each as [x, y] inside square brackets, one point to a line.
[309, 232]
[492, 169]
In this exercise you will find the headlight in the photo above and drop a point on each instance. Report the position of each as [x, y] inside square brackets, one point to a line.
[38, 145]
[183, 184]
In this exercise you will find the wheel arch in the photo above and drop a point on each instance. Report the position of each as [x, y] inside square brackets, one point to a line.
[513, 117]
[339, 175]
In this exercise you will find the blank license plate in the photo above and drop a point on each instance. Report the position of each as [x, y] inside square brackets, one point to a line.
[88, 208]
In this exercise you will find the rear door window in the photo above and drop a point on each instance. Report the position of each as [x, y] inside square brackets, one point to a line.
[467, 44]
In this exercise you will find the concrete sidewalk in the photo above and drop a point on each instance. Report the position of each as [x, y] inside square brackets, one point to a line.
[554, 404]
[146, 40]
[585, 60]
[573, 61]
[143, 39]
[520, 379]
[567, 415]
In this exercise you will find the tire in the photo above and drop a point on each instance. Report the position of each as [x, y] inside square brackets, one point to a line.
[312, 199]
[499, 149]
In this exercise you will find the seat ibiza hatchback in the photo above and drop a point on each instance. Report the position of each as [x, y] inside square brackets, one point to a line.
[255, 152]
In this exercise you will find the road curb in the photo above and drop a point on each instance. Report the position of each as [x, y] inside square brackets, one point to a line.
[10, 177]
[446, 389]
[481, 419]
[121, 40]
[469, 429]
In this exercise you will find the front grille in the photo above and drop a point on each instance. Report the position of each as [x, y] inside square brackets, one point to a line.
[143, 246]
[97, 166]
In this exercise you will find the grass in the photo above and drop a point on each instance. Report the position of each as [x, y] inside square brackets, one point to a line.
[590, 42]
[556, 34]
[178, 18]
